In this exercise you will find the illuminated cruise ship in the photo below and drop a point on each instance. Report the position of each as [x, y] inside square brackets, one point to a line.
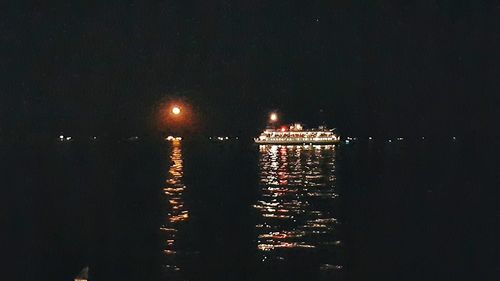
[296, 134]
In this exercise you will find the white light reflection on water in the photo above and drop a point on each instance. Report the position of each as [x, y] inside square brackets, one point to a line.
[177, 213]
[297, 202]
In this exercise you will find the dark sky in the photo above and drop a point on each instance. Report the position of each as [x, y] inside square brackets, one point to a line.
[425, 67]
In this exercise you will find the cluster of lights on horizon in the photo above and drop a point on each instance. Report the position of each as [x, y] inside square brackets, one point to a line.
[283, 135]
[172, 138]
[222, 138]
[177, 110]
[63, 138]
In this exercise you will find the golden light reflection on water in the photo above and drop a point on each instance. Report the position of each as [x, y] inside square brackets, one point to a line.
[298, 196]
[177, 213]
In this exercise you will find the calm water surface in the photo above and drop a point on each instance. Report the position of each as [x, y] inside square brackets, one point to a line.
[235, 211]
[294, 214]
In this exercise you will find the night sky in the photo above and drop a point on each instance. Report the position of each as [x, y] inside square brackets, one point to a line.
[421, 68]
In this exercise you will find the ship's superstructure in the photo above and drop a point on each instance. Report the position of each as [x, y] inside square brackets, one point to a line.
[296, 134]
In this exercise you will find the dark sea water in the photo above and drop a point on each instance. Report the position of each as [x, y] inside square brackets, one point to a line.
[407, 210]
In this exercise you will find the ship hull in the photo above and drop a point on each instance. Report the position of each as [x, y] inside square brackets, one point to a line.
[298, 141]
